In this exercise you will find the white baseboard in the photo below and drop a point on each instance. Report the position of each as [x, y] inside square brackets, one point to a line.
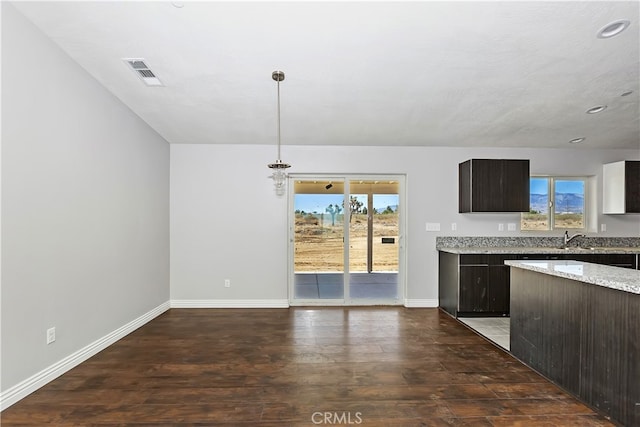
[230, 303]
[424, 303]
[31, 384]
[271, 303]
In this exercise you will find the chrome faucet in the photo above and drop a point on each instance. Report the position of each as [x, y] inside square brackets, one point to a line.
[567, 239]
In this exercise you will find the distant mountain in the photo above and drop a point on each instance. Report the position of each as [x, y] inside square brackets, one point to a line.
[538, 202]
[570, 202]
[565, 202]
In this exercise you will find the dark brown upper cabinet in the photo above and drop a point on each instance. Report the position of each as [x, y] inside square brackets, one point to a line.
[621, 187]
[493, 185]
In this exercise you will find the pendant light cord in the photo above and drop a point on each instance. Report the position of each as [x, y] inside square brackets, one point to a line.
[278, 120]
[278, 166]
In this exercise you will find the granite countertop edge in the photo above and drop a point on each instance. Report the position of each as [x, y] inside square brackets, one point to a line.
[537, 250]
[621, 279]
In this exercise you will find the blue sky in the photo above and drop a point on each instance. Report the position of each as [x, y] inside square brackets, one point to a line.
[319, 202]
[540, 186]
[569, 186]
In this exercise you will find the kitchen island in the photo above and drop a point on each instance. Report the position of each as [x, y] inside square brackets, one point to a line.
[578, 324]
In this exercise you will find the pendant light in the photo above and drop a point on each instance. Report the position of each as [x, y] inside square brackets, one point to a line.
[279, 177]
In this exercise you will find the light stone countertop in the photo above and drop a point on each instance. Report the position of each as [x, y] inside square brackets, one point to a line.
[622, 279]
[540, 250]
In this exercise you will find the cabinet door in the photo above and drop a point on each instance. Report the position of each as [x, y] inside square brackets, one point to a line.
[486, 180]
[498, 288]
[515, 186]
[473, 288]
[632, 186]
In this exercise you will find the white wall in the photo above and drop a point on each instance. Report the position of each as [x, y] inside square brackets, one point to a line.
[85, 206]
[226, 221]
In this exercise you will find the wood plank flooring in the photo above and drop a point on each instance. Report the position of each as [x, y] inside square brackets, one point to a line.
[381, 366]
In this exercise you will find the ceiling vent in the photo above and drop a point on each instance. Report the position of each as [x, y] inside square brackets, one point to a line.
[143, 71]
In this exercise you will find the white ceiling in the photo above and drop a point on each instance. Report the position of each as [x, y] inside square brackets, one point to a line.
[502, 74]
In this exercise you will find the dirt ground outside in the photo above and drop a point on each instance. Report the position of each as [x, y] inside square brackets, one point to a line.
[541, 221]
[319, 243]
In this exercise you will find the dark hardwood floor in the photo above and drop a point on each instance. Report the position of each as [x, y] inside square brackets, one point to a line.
[384, 366]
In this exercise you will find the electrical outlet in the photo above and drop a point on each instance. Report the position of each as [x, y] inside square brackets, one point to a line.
[603, 227]
[511, 226]
[227, 283]
[454, 226]
[51, 335]
[433, 226]
[500, 227]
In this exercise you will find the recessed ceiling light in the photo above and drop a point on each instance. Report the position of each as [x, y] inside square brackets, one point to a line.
[596, 109]
[177, 4]
[577, 140]
[613, 29]
[626, 93]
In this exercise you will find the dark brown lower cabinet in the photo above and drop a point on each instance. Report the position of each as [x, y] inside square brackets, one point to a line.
[484, 288]
[584, 337]
[474, 293]
[499, 289]
[479, 284]
[484, 285]
[474, 284]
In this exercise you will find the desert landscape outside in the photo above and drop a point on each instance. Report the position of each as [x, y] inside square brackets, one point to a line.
[319, 244]
[319, 227]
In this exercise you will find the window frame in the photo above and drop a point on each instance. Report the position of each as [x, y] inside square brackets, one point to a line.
[551, 211]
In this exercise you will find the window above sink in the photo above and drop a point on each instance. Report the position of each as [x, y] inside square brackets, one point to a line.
[557, 203]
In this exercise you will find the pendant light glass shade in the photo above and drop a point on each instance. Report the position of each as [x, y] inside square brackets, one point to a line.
[278, 167]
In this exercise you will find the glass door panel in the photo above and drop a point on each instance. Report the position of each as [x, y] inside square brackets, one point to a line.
[318, 240]
[538, 216]
[374, 240]
[569, 203]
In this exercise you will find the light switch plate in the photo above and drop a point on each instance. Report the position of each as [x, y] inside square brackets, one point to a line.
[511, 226]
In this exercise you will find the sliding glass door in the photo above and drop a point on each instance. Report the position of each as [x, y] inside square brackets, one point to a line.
[346, 240]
